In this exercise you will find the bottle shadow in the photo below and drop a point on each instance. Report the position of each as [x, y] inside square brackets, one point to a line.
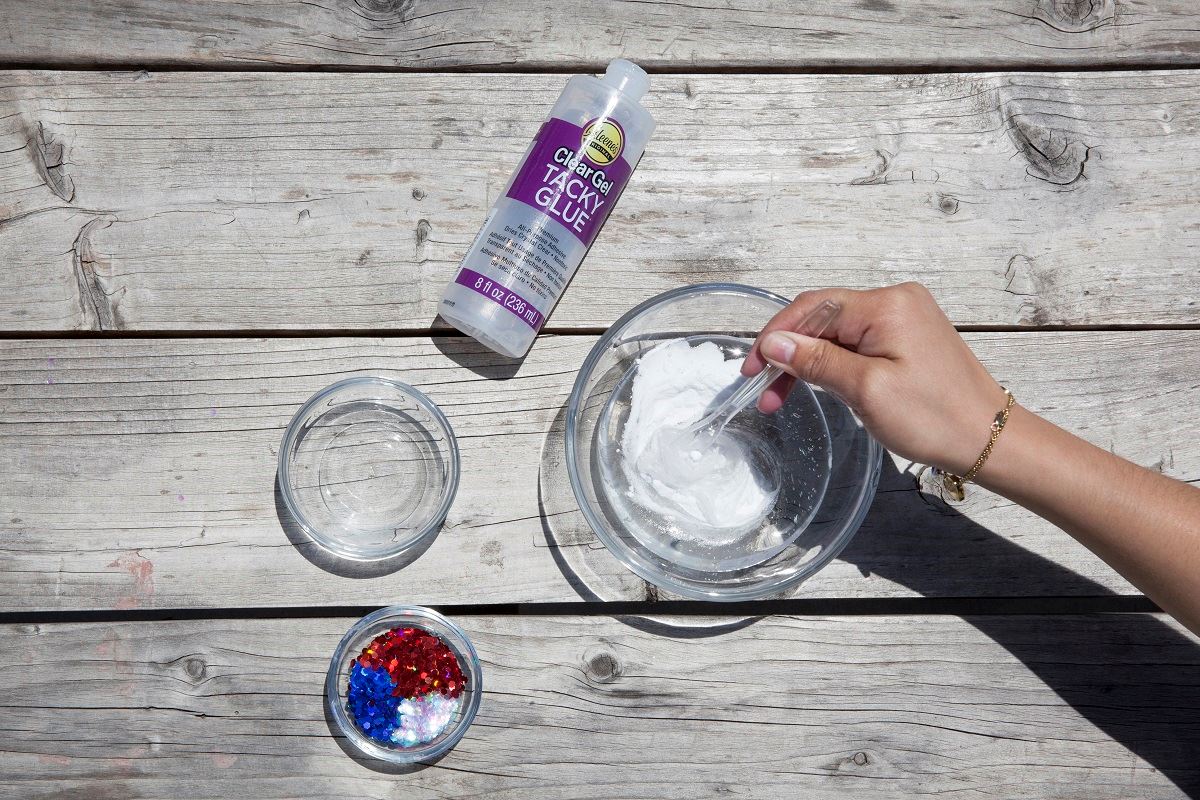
[471, 355]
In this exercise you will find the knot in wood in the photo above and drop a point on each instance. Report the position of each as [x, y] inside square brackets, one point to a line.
[195, 668]
[423, 231]
[385, 10]
[601, 667]
[1077, 14]
[49, 158]
[1052, 156]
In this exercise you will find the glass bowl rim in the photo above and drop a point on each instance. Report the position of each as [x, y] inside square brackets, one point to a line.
[431, 526]
[645, 570]
[418, 616]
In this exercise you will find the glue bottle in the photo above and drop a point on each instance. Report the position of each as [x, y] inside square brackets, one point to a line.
[539, 229]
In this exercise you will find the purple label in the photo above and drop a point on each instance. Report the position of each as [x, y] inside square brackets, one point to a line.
[521, 308]
[574, 175]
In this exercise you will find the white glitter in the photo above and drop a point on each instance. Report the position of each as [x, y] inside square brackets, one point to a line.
[424, 718]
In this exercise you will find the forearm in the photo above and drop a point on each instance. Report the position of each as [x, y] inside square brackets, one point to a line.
[1144, 525]
[894, 356]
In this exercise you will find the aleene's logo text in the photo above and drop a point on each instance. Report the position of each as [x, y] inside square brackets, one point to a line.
[602, 141]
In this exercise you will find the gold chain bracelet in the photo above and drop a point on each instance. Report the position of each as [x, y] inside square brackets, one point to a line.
[954, 483]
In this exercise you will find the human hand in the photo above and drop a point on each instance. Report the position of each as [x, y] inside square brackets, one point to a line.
[893, 357]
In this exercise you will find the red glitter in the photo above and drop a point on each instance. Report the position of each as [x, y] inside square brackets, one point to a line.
[417, 661]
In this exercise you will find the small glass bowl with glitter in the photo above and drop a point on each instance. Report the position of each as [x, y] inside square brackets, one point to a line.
[368, 467]
[404, 685]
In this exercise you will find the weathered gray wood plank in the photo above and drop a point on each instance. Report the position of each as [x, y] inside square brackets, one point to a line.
[185, 201]
[140, 473]
[746, 35]
[1095, 707]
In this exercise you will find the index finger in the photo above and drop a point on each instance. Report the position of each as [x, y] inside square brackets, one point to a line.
[846, 328]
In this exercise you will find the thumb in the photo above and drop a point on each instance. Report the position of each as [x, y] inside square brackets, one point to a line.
[818, 361]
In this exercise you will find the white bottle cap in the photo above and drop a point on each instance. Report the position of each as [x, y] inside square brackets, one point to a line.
[627, 77]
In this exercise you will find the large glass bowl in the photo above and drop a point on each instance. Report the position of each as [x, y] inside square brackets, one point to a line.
[728, 310]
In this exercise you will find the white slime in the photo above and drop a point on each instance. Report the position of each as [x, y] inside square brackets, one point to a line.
[714, 494]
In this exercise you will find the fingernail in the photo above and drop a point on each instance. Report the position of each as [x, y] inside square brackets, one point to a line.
[777, 348]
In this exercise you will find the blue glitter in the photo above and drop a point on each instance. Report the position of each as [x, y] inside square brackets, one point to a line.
[370, 702]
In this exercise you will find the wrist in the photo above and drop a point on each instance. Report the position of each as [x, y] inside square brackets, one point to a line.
[1009, 458]
[955, 482]
[974, 428]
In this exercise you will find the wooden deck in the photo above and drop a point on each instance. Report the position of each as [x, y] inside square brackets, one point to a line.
[210, 210]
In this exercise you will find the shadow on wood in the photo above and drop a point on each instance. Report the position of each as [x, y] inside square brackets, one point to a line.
[373, 764]
[342, 567]
[469, 354]
[585, 563]
[1147, 699]
[1133, 677]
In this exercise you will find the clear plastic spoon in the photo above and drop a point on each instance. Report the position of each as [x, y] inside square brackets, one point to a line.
[712, 424]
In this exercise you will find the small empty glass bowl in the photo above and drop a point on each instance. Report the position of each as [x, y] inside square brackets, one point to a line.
[407, 727]
[828, 465]
[368, 468]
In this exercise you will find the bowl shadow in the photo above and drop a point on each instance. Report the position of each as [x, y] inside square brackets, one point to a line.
[332, 563]
[591, 571]
[373, 764]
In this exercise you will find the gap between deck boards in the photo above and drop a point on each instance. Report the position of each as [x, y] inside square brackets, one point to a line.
[825, 607]
[567, 70]
[417, 333]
